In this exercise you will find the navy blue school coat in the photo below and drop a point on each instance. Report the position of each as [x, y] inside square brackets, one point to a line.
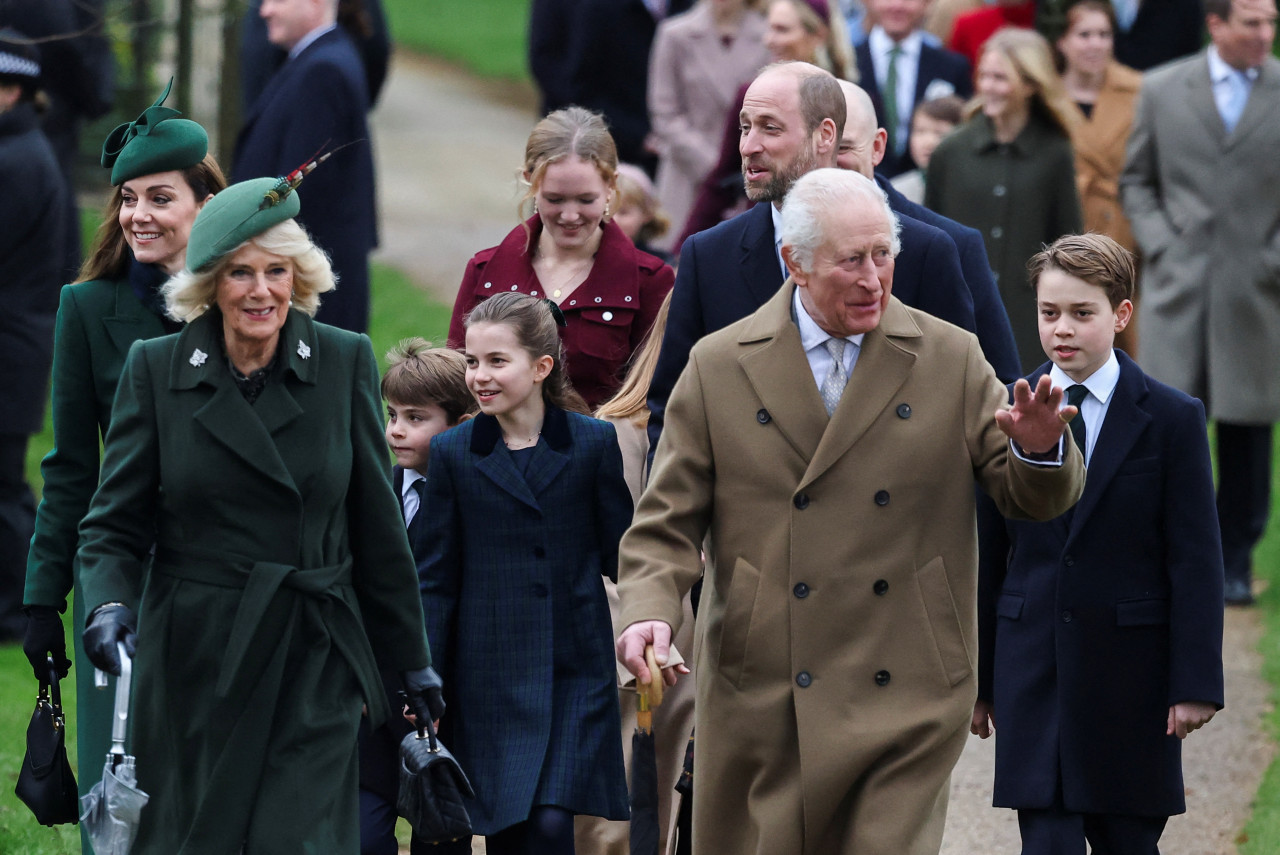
[512, 591]
[1093, 624]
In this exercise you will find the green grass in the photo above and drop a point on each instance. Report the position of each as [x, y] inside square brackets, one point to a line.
[1262, 833]
[484, 36]
[400, 310]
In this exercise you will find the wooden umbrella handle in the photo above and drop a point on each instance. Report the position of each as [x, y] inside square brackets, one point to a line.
[654, 688]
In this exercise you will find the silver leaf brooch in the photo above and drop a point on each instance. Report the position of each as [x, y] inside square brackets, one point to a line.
[303, 350]
[198, 357]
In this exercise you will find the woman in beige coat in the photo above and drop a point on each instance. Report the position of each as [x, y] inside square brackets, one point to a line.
[1105, 93]
[699, 61]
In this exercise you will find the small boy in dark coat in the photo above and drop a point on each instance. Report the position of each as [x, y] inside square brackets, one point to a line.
[1100, 632]
[426, 392]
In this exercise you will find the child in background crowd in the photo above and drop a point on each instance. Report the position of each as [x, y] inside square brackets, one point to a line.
[931, 121]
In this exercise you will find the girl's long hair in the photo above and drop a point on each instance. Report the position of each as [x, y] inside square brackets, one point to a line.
[630, 401]
[536, 331]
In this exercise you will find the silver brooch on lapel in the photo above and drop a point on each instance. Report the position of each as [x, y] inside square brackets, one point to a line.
[198, 357]
[303, 350]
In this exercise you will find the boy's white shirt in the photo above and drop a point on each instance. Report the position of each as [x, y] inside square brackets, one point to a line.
[409, 496]
[1101, 385]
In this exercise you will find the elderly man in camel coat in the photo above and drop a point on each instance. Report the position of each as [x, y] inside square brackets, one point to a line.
[825, 450]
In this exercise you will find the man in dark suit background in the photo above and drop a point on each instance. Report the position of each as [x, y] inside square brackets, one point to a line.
[896, 57]
[793, 117]
[317, 101]
[595, 54]
[363, 20]
[862, 148]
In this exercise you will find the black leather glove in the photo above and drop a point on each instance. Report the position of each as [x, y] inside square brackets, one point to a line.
[108, 624]
[424, 691]
[44, 638]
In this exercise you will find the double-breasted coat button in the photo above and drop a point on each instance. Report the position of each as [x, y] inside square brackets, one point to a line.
[882, 497]
[801, 590]
[904, 411]
[803, 679]
[801, 501]
[763, 417]
[882, 678]
[539, 552]
[1066, 615]
[881, 587]
[539, 590]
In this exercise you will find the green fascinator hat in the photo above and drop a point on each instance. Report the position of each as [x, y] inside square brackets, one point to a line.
[156, 141]
[235, 215]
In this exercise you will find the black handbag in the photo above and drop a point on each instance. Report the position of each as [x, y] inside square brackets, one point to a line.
[46, 784]
[432, 786]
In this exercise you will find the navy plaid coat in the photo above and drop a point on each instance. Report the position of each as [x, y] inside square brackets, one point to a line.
[510, 571]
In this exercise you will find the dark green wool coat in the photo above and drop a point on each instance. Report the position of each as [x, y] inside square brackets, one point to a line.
[281, 566]
[97, 323]
[1020, 196]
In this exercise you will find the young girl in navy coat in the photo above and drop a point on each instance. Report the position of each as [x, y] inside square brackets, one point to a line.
[526, 504]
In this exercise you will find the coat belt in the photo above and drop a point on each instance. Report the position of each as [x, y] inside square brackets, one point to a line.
[260, 581]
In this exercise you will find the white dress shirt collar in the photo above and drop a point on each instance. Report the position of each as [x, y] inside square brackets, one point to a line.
[813, 339]
[1220, 71]
[776, 216]
[409, 496]
[1093, 409]
[881, 44]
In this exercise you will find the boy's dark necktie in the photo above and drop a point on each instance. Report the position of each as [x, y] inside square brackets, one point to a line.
[1075, 395]
[419, 516]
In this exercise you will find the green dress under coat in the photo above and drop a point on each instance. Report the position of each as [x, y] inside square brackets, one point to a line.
[97, 323]
[281, 566]
[1020, 195]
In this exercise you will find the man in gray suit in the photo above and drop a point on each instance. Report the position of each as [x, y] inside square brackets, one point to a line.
[1201, 187]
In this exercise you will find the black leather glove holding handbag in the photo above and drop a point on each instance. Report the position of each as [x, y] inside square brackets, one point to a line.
[107, 624]
[432, 787]
[46, 783]
[45, 637]
[424, 692]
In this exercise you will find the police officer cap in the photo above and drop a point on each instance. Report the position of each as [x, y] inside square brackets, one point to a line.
[156, 141]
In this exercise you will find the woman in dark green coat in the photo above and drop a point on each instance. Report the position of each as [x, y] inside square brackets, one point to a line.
[162, 179]
[249, 450]
[1009, 171]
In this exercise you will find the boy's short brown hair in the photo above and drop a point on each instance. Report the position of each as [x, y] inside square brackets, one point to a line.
[420, 374]
[1093, 258]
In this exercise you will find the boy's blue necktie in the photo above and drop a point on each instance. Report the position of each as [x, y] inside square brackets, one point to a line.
[415, 525]
[1076, 394]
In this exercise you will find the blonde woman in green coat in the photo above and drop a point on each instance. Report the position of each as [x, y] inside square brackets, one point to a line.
[248, 448]
[162, 179]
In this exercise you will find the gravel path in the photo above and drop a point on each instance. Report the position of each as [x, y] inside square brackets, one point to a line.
[448, 150]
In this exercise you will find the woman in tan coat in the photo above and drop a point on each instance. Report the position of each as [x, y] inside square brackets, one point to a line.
[1105, 93]
[699, 60]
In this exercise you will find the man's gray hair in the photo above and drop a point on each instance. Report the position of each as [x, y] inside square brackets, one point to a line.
[822, 190]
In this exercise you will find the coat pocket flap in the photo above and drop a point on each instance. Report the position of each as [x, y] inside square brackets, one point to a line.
[1010, 606]
[1153, 612]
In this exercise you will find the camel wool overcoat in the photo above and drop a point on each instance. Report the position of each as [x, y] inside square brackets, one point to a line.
[836, 636]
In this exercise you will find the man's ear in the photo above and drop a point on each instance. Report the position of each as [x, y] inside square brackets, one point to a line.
[826, 141]
[879, 145]
[788, 258]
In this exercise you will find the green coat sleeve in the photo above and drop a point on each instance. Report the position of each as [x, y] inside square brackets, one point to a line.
[117, 534]
[383, 565]
[70, 469]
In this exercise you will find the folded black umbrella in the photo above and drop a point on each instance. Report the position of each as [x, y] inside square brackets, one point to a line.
[645, 833]
[432, 788]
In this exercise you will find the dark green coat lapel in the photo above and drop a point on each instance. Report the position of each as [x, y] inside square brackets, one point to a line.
[246, 430]
[130, 321]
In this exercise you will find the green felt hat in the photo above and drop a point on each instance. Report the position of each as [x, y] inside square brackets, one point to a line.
[235, 215]
[156, 141]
